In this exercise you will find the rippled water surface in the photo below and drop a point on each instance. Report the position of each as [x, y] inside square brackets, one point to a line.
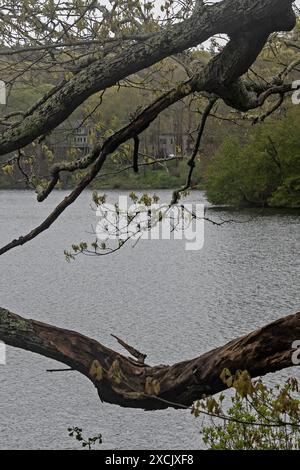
[168, 302]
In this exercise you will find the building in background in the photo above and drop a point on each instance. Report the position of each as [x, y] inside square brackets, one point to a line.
[71, 135]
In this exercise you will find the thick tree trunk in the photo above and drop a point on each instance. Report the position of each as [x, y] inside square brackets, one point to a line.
[129, 383]
[229, 17]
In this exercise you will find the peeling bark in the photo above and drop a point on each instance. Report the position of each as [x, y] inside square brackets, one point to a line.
[126, 382]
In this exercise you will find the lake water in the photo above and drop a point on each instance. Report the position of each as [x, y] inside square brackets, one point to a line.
[170, 303]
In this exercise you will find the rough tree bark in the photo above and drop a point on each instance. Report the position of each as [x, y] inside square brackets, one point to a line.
[221, 76]
[118, 379]
[249, 16]
[131, 383]
[248, 28]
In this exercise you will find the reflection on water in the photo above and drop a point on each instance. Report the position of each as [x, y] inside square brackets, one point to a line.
[170, 303]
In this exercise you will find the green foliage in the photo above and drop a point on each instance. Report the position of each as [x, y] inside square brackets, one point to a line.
[265, 171]
[88, 442]
[288, 194]
[258, 418]
[121, 233]
[170, 177]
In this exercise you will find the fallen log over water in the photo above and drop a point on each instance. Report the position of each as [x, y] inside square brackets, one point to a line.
[131, 383]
